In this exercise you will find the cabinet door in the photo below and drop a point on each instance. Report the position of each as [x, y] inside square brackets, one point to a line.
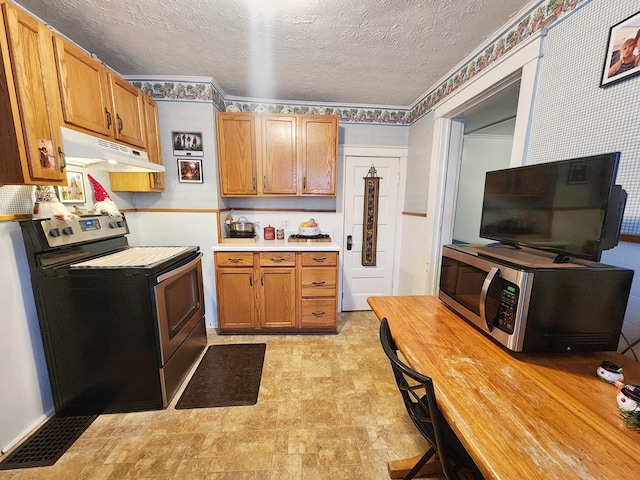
[153, 141]
[318, 154]
[84, 88]
[144, 182]
[277, 297]
[39, 145]
[278, 153]
[236, 154]
[236, 302]
[127, 111]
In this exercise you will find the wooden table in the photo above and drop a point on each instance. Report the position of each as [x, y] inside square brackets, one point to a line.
[535, 416]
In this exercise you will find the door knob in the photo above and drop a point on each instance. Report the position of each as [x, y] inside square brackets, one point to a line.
[349, 242]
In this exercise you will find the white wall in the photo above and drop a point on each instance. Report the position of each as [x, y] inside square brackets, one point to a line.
[25, 396]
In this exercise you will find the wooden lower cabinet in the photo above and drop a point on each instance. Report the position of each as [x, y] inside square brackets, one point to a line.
[276, 291]
[319, 290]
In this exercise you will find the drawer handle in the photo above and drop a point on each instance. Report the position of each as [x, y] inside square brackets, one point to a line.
[235, 260]
[318, 284]
[319, 259]
[277, 259]
[317, 314]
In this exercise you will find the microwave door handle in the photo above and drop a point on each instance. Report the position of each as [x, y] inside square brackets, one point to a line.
[483, 295]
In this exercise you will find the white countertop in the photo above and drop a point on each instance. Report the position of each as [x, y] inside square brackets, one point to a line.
[263, 245]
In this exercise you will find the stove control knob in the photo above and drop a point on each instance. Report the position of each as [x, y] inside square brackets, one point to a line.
[54, 232]
[67, 231]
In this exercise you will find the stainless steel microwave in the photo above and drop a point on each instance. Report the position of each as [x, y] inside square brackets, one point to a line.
[526, 302]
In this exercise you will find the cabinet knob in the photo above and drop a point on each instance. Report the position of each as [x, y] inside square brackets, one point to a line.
[251, 279]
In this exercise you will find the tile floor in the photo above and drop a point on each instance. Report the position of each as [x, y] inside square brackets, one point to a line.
[328, 408]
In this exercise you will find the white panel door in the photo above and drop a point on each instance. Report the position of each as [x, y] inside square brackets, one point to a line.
[360, 282]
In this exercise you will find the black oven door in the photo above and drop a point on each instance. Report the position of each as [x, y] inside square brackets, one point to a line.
[179, 299]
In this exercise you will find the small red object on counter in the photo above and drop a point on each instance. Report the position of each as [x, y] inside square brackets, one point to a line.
[269, 233]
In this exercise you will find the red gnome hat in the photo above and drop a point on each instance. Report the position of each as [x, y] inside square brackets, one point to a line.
[100, 193]
[103, 203]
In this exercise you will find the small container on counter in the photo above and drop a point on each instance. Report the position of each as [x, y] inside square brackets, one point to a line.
[280, 233]
[269, 233]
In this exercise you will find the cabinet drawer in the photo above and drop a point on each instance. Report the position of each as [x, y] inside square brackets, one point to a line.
[318, 282]
[234, 259]
[319, 259]
[318, 313]
[275, 259]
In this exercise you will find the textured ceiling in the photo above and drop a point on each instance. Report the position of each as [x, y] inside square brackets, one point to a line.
[370, 52]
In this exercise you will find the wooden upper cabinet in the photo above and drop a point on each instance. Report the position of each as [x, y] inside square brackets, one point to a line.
[95, 99]
[278, 152]
[318, 154]
[29, 103]
[84, 88]
[128, 111]
[144, 182]
[237, 162]
[154, 151]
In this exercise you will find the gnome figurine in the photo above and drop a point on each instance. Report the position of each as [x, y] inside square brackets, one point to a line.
[103, 202]
[47, 205]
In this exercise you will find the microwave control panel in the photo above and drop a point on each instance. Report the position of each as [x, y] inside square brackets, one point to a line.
[507, 309]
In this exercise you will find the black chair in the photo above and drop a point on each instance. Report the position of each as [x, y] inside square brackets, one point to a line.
[420, 400]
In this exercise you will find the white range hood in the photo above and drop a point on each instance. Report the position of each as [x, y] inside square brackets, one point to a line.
[97, 153]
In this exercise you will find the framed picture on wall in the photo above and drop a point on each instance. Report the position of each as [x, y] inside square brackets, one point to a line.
[623, 52]
[73, 192]
[188, 144]
[189, 170]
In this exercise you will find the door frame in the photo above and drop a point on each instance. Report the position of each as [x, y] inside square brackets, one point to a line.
[345, 151]
[522, 64]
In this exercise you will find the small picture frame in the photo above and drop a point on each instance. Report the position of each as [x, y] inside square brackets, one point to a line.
[187, 144]
[189, 170]
[622, 59]
[74, 191]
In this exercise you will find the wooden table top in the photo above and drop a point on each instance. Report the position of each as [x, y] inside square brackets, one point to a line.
[520, 416]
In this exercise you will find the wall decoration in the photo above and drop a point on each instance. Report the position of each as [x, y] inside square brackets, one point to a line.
[74, 191]
[623, 54]
[187, 144]
[370, 220]
[189, 170]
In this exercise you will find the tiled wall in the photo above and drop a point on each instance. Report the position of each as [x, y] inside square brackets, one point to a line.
[574, 116]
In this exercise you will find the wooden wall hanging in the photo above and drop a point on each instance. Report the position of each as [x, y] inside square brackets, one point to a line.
[370, 220]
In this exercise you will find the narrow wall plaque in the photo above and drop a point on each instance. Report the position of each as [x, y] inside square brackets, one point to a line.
[370, 220]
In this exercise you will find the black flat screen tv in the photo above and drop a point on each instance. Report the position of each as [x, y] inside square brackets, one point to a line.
[571, 207]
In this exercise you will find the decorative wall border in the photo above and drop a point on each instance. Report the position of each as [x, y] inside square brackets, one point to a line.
[544, 14]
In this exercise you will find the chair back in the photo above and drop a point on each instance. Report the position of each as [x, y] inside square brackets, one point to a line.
[420, 401]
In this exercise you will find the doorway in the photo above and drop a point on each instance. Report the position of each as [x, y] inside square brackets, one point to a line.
[487, 142]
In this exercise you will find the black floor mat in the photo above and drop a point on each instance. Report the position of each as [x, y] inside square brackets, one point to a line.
[228, 375]
[49, 442]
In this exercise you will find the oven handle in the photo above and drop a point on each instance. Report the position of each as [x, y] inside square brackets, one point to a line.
[179, 270]
[483, 295]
